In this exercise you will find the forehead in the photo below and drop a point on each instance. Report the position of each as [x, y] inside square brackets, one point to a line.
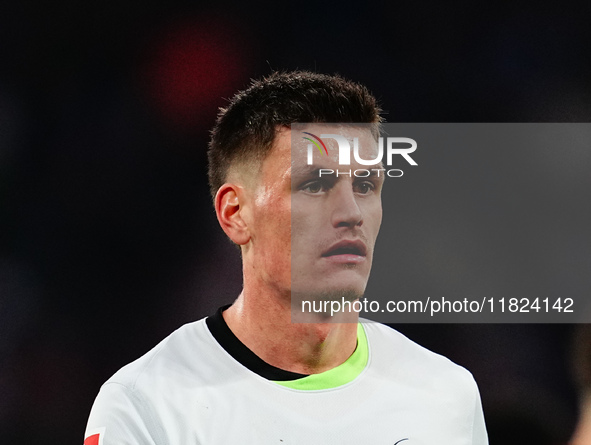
[341, 146]
[292, 148]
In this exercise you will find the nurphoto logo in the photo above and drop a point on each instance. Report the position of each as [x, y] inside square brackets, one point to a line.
[394, 146]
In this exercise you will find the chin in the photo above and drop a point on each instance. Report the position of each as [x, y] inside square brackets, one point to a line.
[317, 306]
[327, 294]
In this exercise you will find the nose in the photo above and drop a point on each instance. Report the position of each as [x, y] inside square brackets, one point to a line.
[345, 208]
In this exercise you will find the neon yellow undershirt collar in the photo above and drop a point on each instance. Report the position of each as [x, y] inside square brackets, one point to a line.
[342, 374]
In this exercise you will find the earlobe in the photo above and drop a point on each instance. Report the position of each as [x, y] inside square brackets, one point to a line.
[229, 210]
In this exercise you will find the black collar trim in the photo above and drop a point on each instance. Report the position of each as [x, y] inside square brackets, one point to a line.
[227, 340]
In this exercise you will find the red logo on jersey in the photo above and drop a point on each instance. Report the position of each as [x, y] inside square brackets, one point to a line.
[92, 440]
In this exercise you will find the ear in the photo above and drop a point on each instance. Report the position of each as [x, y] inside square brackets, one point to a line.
[229, 208]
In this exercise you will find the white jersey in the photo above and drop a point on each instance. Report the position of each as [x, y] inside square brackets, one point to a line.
[190, 390]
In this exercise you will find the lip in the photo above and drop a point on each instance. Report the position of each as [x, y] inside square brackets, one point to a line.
[346, 251]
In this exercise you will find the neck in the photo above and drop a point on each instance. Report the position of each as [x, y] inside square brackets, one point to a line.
[262, 321]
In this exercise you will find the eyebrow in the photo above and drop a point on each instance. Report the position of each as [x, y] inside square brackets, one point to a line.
[311, 171]
[373, 172]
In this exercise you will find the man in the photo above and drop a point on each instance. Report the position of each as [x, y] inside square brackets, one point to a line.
[249, 374]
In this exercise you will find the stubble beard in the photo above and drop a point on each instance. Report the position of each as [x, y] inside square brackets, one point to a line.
[321, 302]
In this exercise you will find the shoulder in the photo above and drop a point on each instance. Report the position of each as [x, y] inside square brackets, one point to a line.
[174, 357]
[393, 353]
[137, 400]
[425, 380]
[184, 359]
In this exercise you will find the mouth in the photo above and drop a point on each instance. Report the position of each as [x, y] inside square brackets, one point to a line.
[347, 251]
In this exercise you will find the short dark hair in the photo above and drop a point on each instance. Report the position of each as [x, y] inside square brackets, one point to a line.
[245, 130]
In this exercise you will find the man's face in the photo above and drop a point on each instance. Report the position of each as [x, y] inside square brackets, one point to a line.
[313, 236]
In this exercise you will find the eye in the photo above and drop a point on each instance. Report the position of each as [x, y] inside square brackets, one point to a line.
[313, 187]
[364, 188]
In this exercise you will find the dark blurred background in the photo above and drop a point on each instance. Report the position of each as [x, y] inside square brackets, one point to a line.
[108, 241]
